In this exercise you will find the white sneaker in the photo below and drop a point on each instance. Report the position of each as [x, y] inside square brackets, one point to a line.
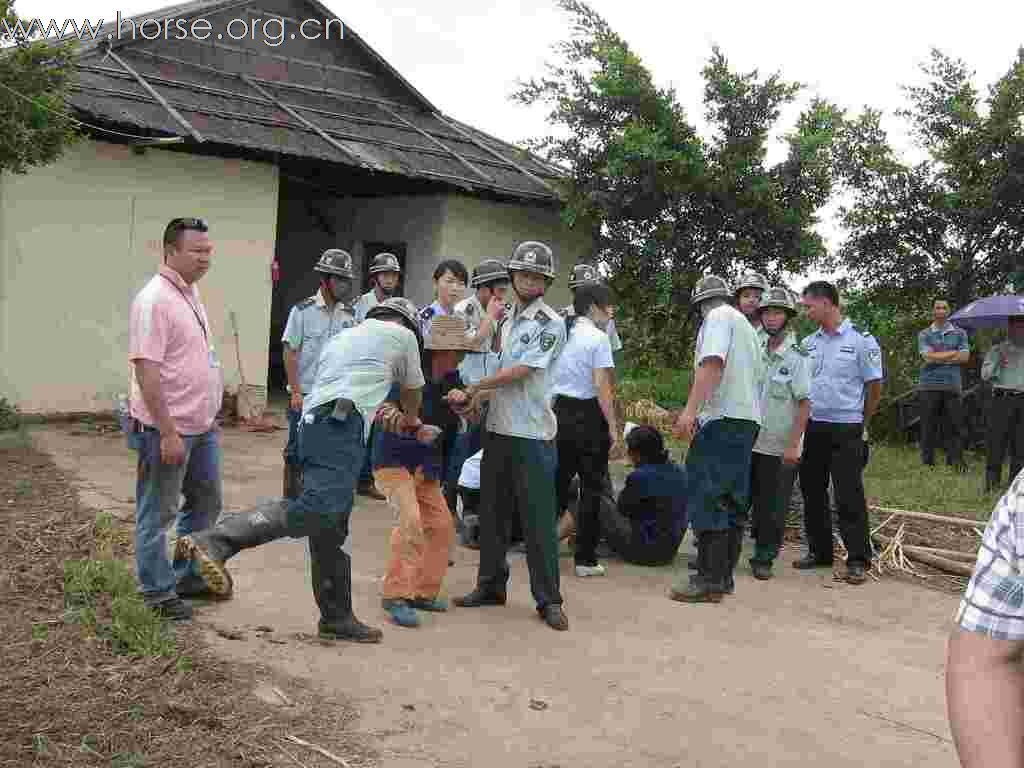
[591, 570]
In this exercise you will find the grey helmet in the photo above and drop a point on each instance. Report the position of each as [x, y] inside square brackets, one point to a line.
[336, 262]
[583, 274]
[385, 262]
[488, 271]
[778, 297]
[752, 280]
[404, 309]
[710, 287]
[533, 256]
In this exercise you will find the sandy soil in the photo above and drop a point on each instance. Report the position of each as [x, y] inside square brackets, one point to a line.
[801, 670]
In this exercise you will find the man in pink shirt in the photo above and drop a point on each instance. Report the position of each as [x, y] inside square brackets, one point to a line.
[176, 395]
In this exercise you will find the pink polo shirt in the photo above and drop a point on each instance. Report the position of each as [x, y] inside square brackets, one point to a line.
[168, 325]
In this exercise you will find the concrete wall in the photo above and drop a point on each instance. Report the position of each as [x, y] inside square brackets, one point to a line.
[475, 230]
[78, 239]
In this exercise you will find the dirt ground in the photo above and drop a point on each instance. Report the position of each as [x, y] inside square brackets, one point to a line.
[801, 670]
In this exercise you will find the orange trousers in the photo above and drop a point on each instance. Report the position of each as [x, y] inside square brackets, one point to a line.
[422, 537]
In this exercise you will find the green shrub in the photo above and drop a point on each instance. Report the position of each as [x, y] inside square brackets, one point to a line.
[667, 387]
[10, 416]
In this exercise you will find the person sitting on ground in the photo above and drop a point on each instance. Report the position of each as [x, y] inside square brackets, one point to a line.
[647, 524]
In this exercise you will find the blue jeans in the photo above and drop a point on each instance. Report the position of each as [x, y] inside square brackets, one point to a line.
[332, 455]
[158, 491]
[291, 450]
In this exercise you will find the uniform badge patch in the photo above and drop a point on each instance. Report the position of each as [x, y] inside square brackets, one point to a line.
[547, 341]
[427, 313]
[784, 371]
[469, 309]
[875, 356]
[525, 338]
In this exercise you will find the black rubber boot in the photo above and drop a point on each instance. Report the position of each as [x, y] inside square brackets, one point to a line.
[735, 537]
[332, 588]
[292, 481]
[214, 546]
[712, 561]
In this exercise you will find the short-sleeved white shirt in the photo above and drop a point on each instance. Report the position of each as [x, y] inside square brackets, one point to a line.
[727, 334]
[587, 348]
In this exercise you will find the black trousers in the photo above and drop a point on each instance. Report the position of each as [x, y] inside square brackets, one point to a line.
[583, 446]
[771, 485]
[517, 481]
[938, 407]
[1005, 429]
[836, 450]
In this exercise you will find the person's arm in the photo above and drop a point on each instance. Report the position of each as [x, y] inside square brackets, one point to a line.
[705, 381]
[985, 699]
[990, 368]
[502, 378]
[630, 501]
[606, 399]
[791, 455]
[411, 399]
[872, 397]
[147, 374]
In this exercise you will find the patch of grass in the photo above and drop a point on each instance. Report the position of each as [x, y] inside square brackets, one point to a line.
[896, 478]
[40, 631]
[10, 416]
[133, 629]
[128, 760]
[668, 387]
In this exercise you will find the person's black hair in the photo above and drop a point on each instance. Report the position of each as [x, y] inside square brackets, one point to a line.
[585, 297]
[454, 266]
[822, 289]
[647, 445]
[174, 228]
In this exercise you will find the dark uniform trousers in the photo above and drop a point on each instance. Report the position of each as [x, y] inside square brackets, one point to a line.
[936, 406]
[517, 480]
[837, 450]
[771, 486]
[1005, 429]
[583, 447]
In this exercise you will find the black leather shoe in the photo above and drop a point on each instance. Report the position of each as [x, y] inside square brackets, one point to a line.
[479, 597]
[807, 562]
[555, 617]
[855, 574]
[762, 571]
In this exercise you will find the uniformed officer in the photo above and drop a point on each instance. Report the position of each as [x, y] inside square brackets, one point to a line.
[785, 409]
[450, 278]
[585, 274]
[483, 310]
[385, 276]
[356, 372]
[944, 348]
[1004, 368]
[846, 385]
[518, 472]
[311, 323]
[749, 290]
[721, 419]
[583, 396]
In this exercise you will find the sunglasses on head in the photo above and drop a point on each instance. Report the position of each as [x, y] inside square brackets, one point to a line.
[180, 225]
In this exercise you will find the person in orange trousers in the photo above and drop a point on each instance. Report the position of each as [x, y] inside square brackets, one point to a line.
[408, 468]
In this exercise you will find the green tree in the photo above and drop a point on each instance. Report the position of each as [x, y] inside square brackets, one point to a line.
[665, 205]
[35, 76]
[952, 224]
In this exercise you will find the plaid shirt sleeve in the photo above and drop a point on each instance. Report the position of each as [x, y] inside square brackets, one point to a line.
[993, 603]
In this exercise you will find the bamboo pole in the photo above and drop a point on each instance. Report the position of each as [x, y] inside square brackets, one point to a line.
[954, 521]
[922, 555]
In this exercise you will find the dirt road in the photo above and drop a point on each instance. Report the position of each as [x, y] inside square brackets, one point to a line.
[797, 671]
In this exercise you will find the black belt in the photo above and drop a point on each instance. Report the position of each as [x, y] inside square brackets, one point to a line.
[1003, 392]
[574, 400]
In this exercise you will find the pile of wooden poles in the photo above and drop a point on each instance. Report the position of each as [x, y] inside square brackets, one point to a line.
[895, 555]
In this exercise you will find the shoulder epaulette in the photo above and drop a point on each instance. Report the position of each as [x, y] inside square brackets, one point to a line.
[427, 313]
[306, 303]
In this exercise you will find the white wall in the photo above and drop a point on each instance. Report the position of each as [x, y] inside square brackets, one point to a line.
[78, 238]
[476, 229]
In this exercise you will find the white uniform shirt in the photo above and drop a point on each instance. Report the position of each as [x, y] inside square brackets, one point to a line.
[311, 324]
[727, 334]
[588, 348]
[613, 334]
[787, 383]
[483, 363]
[362, 364]
[364, 304]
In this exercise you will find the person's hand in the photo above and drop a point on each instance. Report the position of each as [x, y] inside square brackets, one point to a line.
[427, 434]
[172, 448]
[456, 397]
[613, 435]
[295, 403]
[791, 455]
[686, 425]
[496, 308]
[411, 424]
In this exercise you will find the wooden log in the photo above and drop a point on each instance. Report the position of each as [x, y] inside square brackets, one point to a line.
[954, 521]
[952, 554]
[922, 555]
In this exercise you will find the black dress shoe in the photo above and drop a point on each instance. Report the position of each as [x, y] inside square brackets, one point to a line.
[555, 617]
[855, 574]
[807, 562]
[762, 571]
[479, 597]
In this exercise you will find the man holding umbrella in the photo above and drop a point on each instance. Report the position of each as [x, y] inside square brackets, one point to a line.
[1004, 370]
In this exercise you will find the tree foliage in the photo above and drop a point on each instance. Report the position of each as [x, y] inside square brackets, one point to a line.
[35, 76]
[952, 224]
[664, 204]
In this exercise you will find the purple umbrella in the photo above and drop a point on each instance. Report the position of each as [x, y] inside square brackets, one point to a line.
[989, 312]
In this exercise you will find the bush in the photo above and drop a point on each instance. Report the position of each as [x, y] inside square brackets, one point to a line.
[10, 416]
[667, 387]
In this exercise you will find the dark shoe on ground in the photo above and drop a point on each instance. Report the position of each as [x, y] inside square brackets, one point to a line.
[479, 597]
[401, 613]
[174, 609]
[762, 571]
[349, 629]
[696, 592]
[371, 490]
[807, 562]
[432, 604]
[192, 586]
[555, 617]
[855, 574]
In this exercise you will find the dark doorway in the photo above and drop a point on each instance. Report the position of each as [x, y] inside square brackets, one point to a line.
[372, 249]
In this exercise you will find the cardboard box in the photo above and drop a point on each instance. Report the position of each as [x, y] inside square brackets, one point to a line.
[449, 333]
